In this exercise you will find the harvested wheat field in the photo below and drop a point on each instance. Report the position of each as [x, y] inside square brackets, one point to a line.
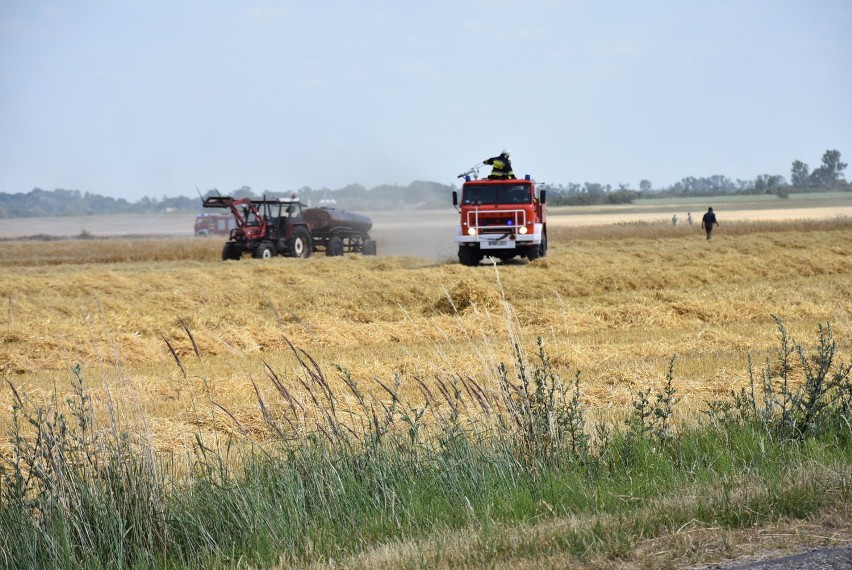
[166, 333]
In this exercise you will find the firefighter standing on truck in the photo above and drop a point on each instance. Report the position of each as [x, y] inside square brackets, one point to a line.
[501, 166]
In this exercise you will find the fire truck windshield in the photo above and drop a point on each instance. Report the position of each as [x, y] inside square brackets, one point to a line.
[493, 195]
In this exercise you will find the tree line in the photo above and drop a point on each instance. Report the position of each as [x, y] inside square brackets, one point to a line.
[827, 177]
[427, 195]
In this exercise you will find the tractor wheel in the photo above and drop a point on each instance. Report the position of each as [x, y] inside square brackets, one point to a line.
[469, 256]
[300, 245]
[264, 251]
[369, 247]
[334, 247]
[231, 251]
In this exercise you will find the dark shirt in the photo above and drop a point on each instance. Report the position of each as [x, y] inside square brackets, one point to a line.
[709, 219]
[501, 167]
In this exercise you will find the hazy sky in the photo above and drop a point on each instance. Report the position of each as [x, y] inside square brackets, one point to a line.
[133, 98]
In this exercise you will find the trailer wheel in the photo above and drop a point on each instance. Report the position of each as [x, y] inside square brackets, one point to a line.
[231, 251]
[369, 247]
[469, 256]
[264, 251]
[300, 245]
[334, 247]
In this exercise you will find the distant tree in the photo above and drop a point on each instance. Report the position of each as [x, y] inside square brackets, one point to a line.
[595, 188]
[768, 183]
[705, 186]
[831, 170]
[645, 185]
[799, 174]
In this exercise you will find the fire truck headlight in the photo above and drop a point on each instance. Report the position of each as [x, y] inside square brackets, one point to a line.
[471, 231]
[522, 230]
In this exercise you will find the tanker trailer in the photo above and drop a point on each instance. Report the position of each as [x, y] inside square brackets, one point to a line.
[338, 231]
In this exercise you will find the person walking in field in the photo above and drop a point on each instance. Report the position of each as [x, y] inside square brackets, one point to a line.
[689, 218]
[708, 221]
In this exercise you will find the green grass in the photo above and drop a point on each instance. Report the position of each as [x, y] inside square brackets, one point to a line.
[348, 475]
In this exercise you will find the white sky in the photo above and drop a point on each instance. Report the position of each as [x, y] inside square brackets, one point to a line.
[133, 98]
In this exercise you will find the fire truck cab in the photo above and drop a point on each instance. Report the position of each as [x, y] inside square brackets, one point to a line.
[501, 218]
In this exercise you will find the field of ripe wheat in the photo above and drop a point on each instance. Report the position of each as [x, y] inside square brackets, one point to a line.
[164, 331]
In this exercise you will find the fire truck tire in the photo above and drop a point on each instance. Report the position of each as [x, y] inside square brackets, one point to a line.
[334, 247]
[300, 245]
[264, 251]
[533, 252]
[369, 247]
[536, 251]
[230, 251]
[201, 233]
[469, 256]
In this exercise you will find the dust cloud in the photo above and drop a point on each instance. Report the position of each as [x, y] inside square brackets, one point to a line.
[418, 233]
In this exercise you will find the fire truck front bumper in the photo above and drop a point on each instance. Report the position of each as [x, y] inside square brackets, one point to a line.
[508, 239]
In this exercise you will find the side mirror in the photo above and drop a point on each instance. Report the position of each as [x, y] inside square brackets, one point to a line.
[455, 198]
[543, 196]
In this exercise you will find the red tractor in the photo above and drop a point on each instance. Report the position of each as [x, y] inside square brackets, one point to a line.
[269, 227]
[501, 218]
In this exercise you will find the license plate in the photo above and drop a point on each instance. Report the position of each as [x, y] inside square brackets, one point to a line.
[495, 244]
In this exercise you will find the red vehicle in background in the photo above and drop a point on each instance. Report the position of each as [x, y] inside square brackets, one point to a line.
[501, 218]
[214, 224]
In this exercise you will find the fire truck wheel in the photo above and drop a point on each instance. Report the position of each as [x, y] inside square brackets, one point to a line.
[369, 247]
[469, 256]
[536, 251]
[533, 252]
[300, 245]
[264, 251]
[201, 233]
[334, 247]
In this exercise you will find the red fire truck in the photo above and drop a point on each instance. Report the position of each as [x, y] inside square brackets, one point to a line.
[500, 218]
[214, 224]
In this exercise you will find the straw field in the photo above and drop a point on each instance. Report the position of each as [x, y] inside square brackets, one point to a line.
[172, 336]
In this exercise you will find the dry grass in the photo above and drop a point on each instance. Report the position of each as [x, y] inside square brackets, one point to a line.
[614, 302]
